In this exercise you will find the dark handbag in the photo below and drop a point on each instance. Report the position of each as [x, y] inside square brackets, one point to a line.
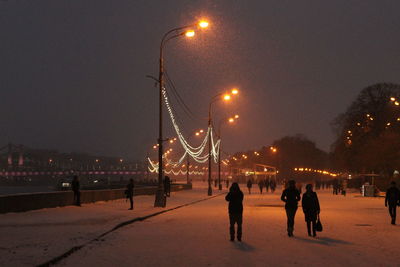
[318, 226]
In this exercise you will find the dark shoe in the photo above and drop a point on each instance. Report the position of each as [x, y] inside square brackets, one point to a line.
[239, 239]
[232, 239]
[130, 209]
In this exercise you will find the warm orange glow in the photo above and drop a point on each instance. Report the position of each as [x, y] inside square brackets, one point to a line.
[97, 160]
[197, 133]
[231, 120]
[203, 24]
[171, 141]
[227, 97]
[235, 91]
[236, 116]
[396, 103]
[121, 160]
[201, 131]
[154, 146]
[190, 33]
[392, 99]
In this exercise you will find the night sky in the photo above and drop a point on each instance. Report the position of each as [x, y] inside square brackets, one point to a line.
[73, 72]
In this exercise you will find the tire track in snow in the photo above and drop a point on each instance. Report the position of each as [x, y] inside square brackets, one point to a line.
[74, 249]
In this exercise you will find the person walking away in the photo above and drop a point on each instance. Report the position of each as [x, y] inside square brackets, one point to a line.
[261, 185]
[235, 208]
[167, 186]
[76, 189]
[392, 199]
[267, 184]
[129, 192]
[311, 209]
[249, 185]
[291, 197]
[273, 186]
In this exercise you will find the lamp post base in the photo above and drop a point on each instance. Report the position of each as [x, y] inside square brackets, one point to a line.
[220, 186]
[209, 191]
[161, 200]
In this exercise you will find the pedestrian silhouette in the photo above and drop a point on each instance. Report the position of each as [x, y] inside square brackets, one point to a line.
[249, 185]
[392, 200]
[235, 208]
[261, 185]
[291, 197]
[227, 183]
[311, 209]
[129, 192]
[76, 189]
[167, 186]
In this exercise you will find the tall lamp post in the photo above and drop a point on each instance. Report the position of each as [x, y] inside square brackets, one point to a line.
[160, 200]
[229, 120]
[220, 96]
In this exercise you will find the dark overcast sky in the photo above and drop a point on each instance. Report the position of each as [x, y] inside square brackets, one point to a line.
[73, 72]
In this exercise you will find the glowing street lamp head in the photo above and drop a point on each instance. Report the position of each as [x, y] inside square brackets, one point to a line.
[231, 120]
[197, 133]
[201, 131]
[235, 91]
[227, 97]
[189, 33]
[236, 116]
[392, 99]
[203, 24]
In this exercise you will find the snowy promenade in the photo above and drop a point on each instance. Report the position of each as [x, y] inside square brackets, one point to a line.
[357, 232]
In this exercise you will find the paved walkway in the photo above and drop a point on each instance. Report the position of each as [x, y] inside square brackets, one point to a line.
[356, 232]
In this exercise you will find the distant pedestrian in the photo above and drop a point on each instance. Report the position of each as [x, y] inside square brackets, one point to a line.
[235, 199]
[261, 185]
[393, 200]
[273, 185]
[311, 209]
[227, 183]
[129, 192]
[335, 186]
[249, 185]
[215, 182]
[267, 184]
[167, 186]
[77, 190]
[291, 197]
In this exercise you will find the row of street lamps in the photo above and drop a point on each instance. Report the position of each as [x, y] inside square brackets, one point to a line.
[188, 31]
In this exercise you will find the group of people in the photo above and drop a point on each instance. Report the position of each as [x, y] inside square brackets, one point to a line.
[291, 197]
[267, 183]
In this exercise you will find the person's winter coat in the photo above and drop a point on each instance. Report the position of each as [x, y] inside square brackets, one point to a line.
[235, 199]
[310, 206]
[291, 196]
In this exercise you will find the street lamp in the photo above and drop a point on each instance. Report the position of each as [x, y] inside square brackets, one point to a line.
[225, 97]
[160, 200]
[229, 120]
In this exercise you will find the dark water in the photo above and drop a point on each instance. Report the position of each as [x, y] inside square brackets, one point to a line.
[12, 190]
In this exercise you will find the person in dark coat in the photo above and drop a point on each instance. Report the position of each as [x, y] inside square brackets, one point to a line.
[249, 185]
[235, 199]
[291, 197]
[227, 183]
[261, 185]
[311, 209]
[129, 192]
[267, 184]
[273, 186]
[167, 186]
[76, 189]
[393, 200]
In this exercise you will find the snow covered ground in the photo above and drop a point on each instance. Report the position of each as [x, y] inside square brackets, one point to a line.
[357, 232]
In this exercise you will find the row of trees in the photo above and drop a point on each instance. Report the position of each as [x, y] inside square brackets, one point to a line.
[368, 132]
[367, 140]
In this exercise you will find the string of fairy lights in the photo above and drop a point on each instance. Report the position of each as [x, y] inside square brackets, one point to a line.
[196, 153]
